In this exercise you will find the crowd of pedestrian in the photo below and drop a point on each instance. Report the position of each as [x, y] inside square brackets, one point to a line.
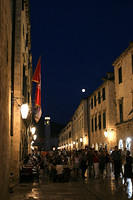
[63, 165]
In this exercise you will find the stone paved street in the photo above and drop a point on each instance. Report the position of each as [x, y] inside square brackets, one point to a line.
[73, 190]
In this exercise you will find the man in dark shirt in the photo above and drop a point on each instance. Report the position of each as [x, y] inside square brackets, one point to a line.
[90, 163]
[117, 162]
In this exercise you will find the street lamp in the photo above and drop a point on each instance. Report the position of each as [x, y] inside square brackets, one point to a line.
[33, 130]
[24, 111]
[34, 137]
[74, 142]
[106, 134]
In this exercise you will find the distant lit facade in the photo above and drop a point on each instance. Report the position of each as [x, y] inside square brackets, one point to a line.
[93, 122]
[123, 68]
[105, 118]
[65, 137]
[80, 126]
[75, 133]
[102, 115]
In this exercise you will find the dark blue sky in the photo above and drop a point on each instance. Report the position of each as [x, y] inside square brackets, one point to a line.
[78, 43]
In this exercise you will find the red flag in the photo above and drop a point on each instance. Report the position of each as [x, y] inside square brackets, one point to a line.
[37, 78]
[38, 95]
[37, 74]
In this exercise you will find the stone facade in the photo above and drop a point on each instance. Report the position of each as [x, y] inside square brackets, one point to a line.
[94, 119]
[80, 126]
[15, 81]
[21, 85]
[123, 68]
[75, 133]
[5, 93]
[65, 137]
[102, 115]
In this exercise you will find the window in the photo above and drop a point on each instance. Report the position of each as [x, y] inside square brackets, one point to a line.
[70, 134]
[103, 94]
[104, 120]
[121, 110]
[132, 64]
[95, 100]
[28, 97]
[99, 121]
[120, 75]
[95, 123]
[26, 42]
[22, 4]
[92, 103]
[23, 30]
[92, 126]
[99, 97]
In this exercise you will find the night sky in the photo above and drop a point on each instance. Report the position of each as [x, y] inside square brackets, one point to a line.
[78, 42]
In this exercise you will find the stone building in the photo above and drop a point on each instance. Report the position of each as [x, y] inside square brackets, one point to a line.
[65, 137]
[15, 81]
[5, 92]
[21, 72]
[75, 133]
[123, 68]
[102, 115]
[80, 126]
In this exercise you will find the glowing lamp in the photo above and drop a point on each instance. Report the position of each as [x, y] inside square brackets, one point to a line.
[34, 137]
[74, 143]
[106, 134]
[33, 130]
[24, 111]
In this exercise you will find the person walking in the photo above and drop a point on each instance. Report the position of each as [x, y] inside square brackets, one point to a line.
[101, 163]
[90, 163]
[76, 163]
[117, 161]
[128, 172]
[83, 165]
[96, 164]
[107, 164]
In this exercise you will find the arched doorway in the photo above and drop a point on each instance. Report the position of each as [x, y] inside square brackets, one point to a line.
[128, 143]
[120, 144]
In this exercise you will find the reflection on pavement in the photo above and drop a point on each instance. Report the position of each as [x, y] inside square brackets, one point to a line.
[129, 190]
[124, 185]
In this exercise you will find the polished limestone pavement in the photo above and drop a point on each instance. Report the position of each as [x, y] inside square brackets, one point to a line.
[75, 189]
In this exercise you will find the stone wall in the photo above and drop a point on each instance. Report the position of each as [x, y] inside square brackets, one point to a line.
[124, 94]
[5, 93]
